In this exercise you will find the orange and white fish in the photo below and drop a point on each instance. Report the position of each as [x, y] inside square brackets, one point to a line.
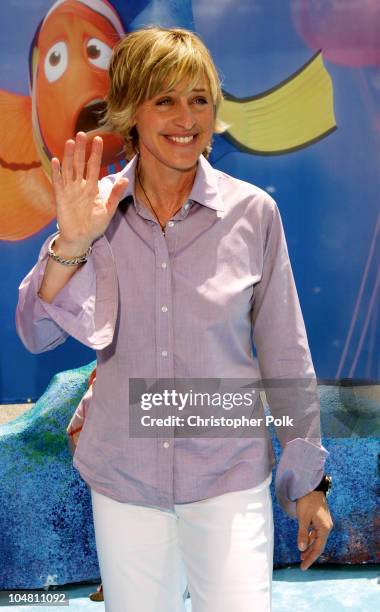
[69, 79]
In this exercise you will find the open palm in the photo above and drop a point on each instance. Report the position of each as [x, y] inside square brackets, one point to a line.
[82, 214]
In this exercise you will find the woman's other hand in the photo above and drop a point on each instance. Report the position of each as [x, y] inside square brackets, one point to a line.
[314, 526]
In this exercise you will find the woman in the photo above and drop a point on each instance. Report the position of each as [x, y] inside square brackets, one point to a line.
[168, 269]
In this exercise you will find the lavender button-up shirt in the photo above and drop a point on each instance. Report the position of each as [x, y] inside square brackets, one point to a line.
[187, 303]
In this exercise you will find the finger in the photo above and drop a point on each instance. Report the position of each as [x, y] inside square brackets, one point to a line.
[311, 537]
[95, 161]
[56, 176]
[313, 552]
[311, 543]
[80, 155]
[67, 162]
[116, 195]
[303, 536]
[310, 558]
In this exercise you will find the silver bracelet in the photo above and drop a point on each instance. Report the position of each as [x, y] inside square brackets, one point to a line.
[73, 261]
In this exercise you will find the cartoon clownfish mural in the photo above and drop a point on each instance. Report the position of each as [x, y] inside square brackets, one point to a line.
[68, 64]
[68, 81]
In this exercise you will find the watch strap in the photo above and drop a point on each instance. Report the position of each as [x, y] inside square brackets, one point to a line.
[325, 484]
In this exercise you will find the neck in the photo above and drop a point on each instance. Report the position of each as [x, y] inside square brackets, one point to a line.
[167, 188]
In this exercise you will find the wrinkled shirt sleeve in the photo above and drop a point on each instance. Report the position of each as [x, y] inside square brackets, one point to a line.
[85, 308]
[286, 367]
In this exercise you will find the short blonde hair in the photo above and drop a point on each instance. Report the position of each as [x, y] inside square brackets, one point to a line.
[146, 62]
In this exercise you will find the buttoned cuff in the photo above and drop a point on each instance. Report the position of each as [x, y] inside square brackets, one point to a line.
[85, 308]
[299, 471]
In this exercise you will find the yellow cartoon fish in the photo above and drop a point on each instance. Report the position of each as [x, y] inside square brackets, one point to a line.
[292, 115]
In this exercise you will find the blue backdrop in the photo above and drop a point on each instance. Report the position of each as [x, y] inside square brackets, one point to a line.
[327, 192]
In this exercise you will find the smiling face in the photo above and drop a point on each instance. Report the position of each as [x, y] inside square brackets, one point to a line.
[175, 126]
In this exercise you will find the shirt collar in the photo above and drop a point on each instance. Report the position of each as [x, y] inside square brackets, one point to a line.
[204, 190]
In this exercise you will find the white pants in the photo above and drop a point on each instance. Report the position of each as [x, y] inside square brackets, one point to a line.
[221, 547]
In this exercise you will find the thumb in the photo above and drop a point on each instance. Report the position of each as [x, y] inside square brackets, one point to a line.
[303, 537]
[116, 195]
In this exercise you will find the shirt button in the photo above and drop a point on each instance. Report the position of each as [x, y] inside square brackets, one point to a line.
[164, 308]
[170, 223]
[164, 353]
[164, 264]
[166, 445]
[186, 206]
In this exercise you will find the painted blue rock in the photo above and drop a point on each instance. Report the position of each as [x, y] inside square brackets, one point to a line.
[46, 529]
[351, 426]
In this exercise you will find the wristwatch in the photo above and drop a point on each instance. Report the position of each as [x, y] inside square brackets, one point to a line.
[325, 485]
